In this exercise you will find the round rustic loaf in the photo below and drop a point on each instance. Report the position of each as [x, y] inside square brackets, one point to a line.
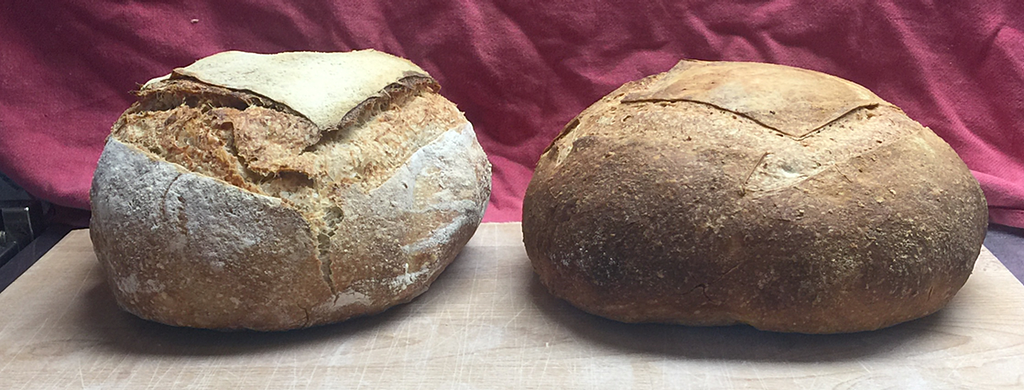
[720, 193]
[272, 192]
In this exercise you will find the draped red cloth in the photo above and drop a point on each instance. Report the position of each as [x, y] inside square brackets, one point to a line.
[519, 69]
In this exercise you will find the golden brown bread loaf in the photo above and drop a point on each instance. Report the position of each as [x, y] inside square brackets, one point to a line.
[283, 191]
[720, 193]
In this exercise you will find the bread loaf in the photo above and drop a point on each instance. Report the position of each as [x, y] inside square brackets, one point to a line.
[272, 192]
[720, 193]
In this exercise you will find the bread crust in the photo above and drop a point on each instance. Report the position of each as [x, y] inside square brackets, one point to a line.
[186, 249]
[680, 210]
[223, 208]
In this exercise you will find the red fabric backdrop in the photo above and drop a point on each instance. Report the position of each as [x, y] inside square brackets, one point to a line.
[519, 69]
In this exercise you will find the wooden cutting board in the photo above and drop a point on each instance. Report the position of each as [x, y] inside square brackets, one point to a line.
[487, 323]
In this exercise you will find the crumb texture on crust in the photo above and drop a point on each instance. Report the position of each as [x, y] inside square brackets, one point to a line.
[683, 212]
[377, 205]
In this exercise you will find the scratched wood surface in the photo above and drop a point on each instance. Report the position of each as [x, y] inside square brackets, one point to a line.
[487, 323]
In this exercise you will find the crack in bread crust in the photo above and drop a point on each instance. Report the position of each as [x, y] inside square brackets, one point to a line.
[325, 176]
[266, 148]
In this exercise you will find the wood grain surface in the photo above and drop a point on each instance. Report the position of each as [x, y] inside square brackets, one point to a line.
[487, 323]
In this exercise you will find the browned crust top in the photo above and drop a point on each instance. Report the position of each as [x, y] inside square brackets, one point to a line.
[683, 212]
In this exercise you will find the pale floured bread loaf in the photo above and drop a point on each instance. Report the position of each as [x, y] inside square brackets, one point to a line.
[272, 192]
[720, 193]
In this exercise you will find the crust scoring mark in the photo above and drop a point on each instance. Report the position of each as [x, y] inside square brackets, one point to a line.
[743, 186]
[800, 136]
[792, 101]
[163, 205]
[798, 154]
